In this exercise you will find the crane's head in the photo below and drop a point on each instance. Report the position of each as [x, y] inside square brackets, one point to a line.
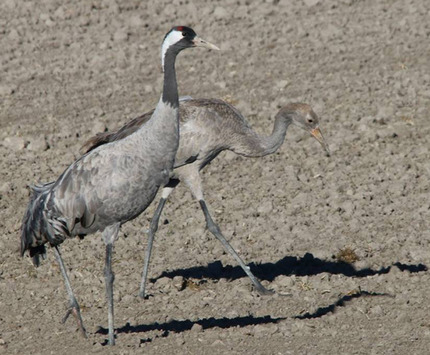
[181, 37]
[304, 117]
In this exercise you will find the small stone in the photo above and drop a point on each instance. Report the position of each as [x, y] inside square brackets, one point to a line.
[285, 281]
[163, 283]
[260, 331]
[377, 310]
[11, 4]
[265, 207]
[220, 13]
[136, 21]
[14, 143]
[217, 343]
[6, 187]
[49, 23]
[120, 36]
[38, 144]
[178, 283]
[310, 3]
[281, 84]
[170, 10]
[13, 34]
[98, 127]
[6, 90]
[197, 328]
[148, 88]
[59, 13]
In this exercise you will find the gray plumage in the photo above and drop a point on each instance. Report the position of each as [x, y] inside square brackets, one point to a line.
[207, 127]
[111, 184]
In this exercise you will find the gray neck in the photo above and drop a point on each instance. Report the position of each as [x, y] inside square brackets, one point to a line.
[260, 146]
[272, 143]
[170, 86]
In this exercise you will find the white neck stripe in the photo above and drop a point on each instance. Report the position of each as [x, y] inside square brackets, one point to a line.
[172, 38]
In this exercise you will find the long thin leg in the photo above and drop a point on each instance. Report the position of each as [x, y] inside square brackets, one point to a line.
[214, 229]
[73, 303]
[151, 234]
[109, 236]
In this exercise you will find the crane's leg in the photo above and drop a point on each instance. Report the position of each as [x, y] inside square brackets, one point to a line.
[191, 176]
[151, 235]
[152, 230]
[109, 235]
[214, 229]
[73, 303]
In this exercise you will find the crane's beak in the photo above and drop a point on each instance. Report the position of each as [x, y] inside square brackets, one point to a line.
[316, 133]
[198, 42]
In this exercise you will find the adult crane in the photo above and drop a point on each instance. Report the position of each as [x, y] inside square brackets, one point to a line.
[111, 184]
[207, 127]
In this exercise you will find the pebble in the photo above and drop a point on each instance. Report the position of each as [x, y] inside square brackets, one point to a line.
[98, 127]
[220, 13]
[14, 143]
[136, 21]
[6, 90]
[170, 10]
[163, 283]
[196, 328]
[217, 343]
[178, 283]
[38, 144]
[310, 3]
[285, 281]
[265, 208]
[377, 310]
[120, 35]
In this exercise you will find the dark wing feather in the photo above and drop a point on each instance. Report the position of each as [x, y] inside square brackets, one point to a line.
[107, 137]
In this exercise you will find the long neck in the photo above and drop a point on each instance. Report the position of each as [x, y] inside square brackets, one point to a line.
[258, 146]
[170, 86]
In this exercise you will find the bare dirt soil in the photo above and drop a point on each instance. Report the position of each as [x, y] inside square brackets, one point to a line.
[72, 69]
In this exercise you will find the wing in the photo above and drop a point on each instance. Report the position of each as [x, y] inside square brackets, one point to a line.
[129, 128]
[107, 137]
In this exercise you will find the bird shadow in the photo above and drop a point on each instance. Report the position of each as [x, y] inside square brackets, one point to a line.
[289, 265]
[341, 302]
[306, 265]
[179, 326]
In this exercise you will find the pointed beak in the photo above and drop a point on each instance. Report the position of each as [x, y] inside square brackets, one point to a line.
[198, 42]
[316, 133]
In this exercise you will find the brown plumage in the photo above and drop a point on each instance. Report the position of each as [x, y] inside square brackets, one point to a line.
[207, 127]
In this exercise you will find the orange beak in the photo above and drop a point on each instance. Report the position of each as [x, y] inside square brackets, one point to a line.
[316, 133]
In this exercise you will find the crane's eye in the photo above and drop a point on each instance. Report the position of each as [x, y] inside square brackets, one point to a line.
[310, 120]
[184, 34]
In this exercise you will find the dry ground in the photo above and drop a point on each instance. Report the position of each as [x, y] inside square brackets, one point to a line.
[71, 69]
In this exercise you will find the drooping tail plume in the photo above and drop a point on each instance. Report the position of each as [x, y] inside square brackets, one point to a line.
[34, 227]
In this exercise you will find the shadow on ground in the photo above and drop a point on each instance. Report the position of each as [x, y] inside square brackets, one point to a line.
[289, 265]
[341, 302]
[179, 326]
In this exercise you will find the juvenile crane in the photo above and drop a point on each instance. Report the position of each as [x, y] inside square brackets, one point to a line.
[207, 127]
[111, 184]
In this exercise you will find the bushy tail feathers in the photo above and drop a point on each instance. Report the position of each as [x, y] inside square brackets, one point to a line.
[34, 225]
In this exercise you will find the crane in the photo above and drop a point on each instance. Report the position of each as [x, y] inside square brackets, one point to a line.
[111, 184]
[207, 127]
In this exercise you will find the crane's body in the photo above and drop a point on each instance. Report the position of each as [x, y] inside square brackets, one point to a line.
[111, 184]
[95, 191]
[207, 127]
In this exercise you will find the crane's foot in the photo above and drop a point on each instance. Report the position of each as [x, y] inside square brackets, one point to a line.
[264, 291]
[77, 314]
